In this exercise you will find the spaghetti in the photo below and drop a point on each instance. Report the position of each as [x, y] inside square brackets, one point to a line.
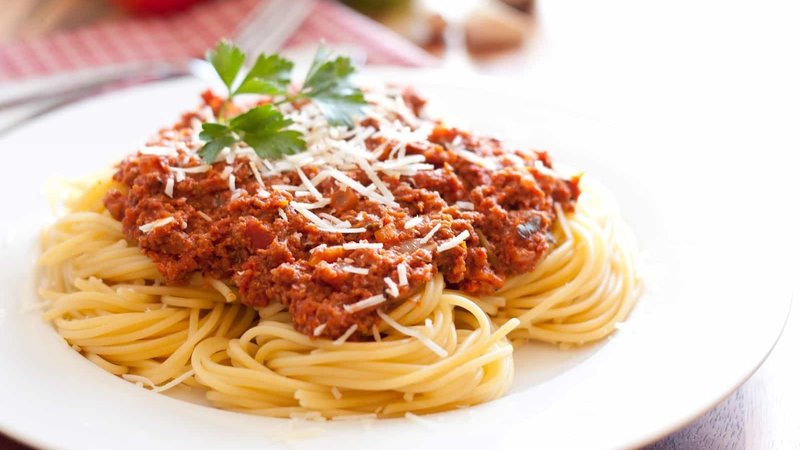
[385, 270]
[438, 350]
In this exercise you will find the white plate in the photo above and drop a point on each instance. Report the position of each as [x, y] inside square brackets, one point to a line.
[712, 311]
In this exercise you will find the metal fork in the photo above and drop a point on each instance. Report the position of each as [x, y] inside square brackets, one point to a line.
[265, 30]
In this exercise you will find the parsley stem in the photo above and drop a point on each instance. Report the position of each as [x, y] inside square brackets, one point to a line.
[221, 114]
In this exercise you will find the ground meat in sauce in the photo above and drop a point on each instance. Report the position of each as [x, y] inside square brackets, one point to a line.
[279, 256]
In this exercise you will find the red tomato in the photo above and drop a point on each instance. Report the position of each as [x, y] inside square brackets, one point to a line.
[154, 6]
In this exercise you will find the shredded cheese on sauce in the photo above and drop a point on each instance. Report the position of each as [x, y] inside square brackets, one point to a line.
[402, 275]
[466, 206]
[391, 287]
[413, 222]
[356, 270]
[431, 233]
[257, 174]
[454, 242]
[358, 245]
[168, 189]
[150, 226]
[196, 169]
[364, 304]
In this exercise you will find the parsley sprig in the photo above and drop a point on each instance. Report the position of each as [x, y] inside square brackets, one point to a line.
[327, 84]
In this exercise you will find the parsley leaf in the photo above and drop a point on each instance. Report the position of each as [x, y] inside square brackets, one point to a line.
[328, 85]
[270, 75]
[217, 137]
[262, 128]
[275, 144]
[227, 60]
[260, 118]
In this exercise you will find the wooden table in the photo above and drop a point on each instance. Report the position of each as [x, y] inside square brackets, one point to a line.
[721, 72]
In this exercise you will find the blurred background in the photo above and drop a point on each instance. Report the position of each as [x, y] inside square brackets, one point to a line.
[722, 77]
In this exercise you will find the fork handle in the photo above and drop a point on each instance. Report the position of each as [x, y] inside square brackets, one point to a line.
[83, 82]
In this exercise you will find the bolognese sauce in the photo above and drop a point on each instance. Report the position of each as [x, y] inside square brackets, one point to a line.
[338, 241]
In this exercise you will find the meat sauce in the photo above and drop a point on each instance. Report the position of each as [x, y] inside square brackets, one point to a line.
[272, 253]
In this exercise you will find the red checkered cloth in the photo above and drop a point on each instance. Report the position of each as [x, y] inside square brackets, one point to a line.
[191, 34]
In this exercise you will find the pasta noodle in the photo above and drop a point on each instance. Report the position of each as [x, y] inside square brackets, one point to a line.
[437, 350]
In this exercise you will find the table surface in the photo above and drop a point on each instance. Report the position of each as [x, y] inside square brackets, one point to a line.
[720, 72]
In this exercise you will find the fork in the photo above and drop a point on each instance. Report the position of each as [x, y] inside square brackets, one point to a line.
[265, 30]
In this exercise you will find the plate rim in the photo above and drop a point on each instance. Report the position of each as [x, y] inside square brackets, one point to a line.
[465, 81]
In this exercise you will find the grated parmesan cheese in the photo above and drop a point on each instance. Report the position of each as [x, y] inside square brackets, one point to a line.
[257, 174]
[196, 169]
[410, 332]
[466, 206]
[356, 270]
[391, 287]
[168, 189]
[150, 226]
[365, 303]
[476, 159]
[319, 329]
[313, 218]
[226, 171]
[307, 183]
[413, 222]
[453, 243]
[158, 150]
[358, 245]
[316, 205]
[431, 233]
[342, 230]
[286, 187]
[402, 275]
